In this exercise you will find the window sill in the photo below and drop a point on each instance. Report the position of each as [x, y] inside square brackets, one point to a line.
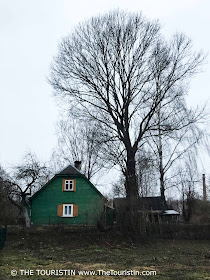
[67, 216]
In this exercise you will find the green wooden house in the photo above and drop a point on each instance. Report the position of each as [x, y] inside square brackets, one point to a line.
[68, 198]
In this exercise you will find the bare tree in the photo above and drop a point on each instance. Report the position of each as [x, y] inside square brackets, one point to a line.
[187, 182]
[26, 178]
[79, 140]
[170, 146]
[117, 69]
[8, 211]
[147, 175]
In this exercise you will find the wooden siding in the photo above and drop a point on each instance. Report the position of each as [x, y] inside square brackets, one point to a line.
[45, 204]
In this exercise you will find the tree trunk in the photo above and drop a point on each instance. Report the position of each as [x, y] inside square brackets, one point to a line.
[131, 181]
[160, 153]
[162, 184]
[26, 218]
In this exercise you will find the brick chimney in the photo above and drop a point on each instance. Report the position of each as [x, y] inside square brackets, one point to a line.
[78, 164]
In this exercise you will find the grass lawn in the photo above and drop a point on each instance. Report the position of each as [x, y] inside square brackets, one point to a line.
[56, 249]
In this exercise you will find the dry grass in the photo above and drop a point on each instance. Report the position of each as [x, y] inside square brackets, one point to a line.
[90, 250]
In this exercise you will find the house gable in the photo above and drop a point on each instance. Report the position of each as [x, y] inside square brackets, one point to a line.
[70, 172]
[85, 199]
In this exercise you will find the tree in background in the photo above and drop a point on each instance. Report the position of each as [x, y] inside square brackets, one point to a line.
[79, 140]
[147, 175]
[8, 213]
[117, 69]
[187, 181]
[172, 147]
[26, 178]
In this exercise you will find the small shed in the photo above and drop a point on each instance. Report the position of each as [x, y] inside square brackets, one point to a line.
[170, 216]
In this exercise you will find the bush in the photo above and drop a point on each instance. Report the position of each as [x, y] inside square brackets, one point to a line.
[201, 212]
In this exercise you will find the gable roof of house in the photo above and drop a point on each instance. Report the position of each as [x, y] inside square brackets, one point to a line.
[70, 170]
[142, 203]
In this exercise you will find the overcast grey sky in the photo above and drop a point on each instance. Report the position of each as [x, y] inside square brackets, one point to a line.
[30, 32]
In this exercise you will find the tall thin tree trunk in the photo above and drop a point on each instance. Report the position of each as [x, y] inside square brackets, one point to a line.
[161, 169]
[162, 185]
[131, 180]
[160, 153]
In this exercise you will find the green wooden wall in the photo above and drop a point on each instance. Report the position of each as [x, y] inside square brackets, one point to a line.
[44, 204]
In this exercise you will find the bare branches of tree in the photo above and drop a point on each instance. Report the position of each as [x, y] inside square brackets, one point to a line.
[26, 178]
[79, 140]
[7, 209]
[117, 69]
[170, 145]
[188, 180]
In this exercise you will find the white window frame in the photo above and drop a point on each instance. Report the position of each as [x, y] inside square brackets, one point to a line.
[72, 209]
[67, 182]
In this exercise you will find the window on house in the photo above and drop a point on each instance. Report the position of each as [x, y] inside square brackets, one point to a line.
[69, 185]
[67, 210]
